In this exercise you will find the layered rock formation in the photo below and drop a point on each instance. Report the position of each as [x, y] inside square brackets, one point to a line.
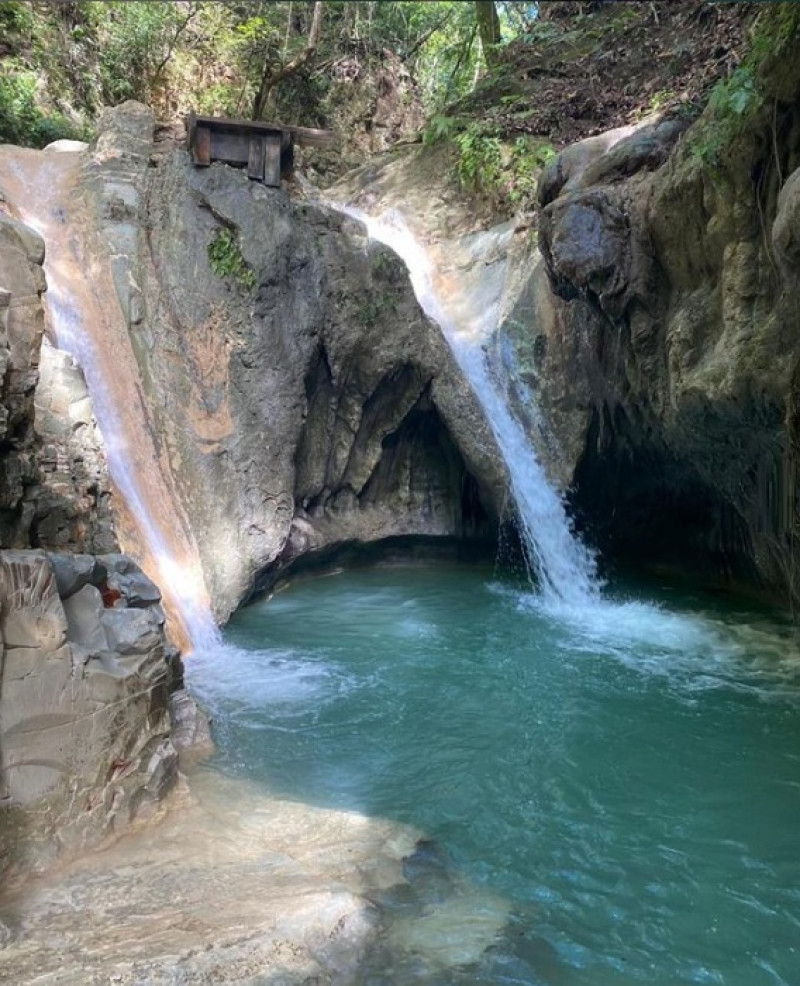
[85, 669]
[300, 395]
[85, 674]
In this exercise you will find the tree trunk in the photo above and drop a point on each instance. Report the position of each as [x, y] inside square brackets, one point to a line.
[488, 28]
[274, 74]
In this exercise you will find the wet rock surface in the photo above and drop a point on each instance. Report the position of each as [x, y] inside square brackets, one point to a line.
[73, 504]
[646, 333]
[54, 486]
[675, 326]
[237, 887]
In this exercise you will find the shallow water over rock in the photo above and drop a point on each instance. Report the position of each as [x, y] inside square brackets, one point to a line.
[232, 886]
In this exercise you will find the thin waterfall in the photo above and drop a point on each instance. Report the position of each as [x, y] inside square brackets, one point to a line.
[564, 568]
[85, 318]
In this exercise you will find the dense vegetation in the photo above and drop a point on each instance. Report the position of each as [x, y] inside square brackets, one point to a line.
[62, 62]
[500, 85]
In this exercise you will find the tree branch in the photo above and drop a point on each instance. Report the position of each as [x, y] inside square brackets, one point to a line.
[429, 34]
[181, 27]
[271, 76]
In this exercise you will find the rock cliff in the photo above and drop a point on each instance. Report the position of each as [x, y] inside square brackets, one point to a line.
[674, 261]
[54, 486]
[647, 324]
[302, 398]
[85, 669]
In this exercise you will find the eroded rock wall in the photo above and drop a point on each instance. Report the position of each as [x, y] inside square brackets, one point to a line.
[54, 486]
[21, 327]
[300, 394]
[85, 673]
[85, 669]
[674, 335]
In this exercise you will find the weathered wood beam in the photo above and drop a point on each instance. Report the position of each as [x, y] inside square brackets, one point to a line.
[307, 136]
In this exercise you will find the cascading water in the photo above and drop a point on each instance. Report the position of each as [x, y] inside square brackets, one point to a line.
[84, 316]
[565, 569]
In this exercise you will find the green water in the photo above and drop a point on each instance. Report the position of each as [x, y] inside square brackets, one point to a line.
[627, 777]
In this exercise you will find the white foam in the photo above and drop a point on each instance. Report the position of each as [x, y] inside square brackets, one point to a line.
[697, 650]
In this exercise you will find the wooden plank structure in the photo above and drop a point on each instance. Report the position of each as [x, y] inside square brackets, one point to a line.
[266, 150]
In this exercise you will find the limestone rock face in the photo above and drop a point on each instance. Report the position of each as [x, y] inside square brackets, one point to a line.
[673, 341]
[54, 486]
[84, 726]
[73, 501]
[302, 398]
[21, 327]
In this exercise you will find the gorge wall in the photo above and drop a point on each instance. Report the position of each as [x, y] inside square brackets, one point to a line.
[54, 485]
[301, 396]
[303, 403]
[648, 327]
[87, 676]
[290, 390]
[669, 361]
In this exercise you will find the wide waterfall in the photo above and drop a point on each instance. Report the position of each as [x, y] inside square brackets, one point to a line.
[564, 568]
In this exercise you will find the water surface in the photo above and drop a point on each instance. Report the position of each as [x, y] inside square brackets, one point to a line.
[626, 777]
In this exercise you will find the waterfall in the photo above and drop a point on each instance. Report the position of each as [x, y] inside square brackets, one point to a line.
[564, 568]
[85, 317]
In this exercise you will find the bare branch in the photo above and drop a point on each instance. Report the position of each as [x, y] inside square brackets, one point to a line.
[271, 75]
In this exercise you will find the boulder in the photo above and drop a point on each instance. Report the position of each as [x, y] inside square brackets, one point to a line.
[84, 610]
[84, 724]
[131, 631]
[73, 572]
[129, 582]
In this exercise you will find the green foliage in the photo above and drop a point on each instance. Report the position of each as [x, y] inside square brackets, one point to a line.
[137, 41]
[528, 158]
[372, 310]
[381, 264]
[738, 98]
[502, 171]
[776, 26]
[177, 55]
[480, 159]
[227, 261]
[440, 127]
[15, 18]
[738, 94]
[21, 119]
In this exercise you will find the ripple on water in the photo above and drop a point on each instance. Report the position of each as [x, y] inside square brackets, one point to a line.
[616, 771]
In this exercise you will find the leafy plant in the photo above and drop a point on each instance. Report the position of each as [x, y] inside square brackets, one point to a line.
[439, 127]
[227, 261]
[738, 98]
[480, 159]
[138, 41]
[21, 119]
[738, 94]
[528, 157]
